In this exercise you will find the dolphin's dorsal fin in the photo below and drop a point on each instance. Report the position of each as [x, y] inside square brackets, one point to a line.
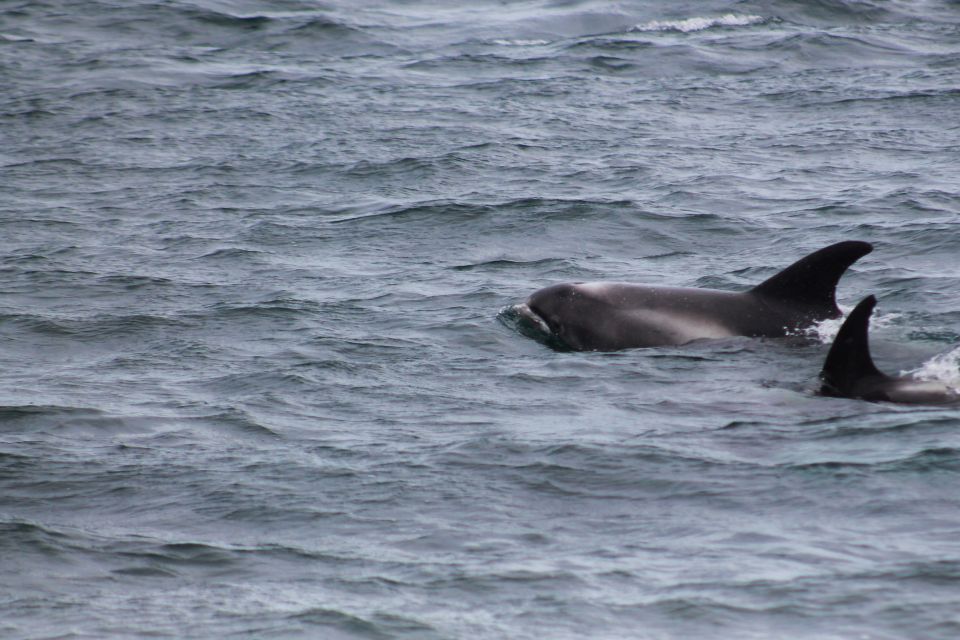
[813, 280]
[849, 359]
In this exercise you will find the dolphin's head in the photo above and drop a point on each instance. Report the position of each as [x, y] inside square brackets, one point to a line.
[551, 309]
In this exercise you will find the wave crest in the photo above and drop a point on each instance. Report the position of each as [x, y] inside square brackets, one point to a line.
[700, 23]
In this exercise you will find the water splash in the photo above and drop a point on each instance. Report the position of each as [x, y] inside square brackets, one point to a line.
[826, 331]
[943, 367]
[700, 23]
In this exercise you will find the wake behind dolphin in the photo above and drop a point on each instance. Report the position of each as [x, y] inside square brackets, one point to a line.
[607, 316]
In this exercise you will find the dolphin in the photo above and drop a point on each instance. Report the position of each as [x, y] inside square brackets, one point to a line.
[607, 316]
[849, 372]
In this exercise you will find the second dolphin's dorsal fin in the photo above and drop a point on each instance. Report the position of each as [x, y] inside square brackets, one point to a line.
[813, 280]
[849, 361]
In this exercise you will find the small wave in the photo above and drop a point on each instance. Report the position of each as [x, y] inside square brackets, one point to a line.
[322, 25]
[145, 572]
[9, 37]
[230, 253]
[29, 411]
[237, 420]
[193, 554]
[521, 43]
[507, 265]
[55, 164]
[400, 166]
[269, 307]
[944, 458]
[25, 535]
[132, 282]
[95, 326]
[699, 24]
[215, 18]
[355, 625]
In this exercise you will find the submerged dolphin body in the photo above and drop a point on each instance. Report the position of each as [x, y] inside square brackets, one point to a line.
[606, 316]
[849, 371]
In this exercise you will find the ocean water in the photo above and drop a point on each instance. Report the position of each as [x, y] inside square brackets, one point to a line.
[258, 374]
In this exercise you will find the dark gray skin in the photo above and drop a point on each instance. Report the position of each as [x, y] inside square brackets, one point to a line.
[607, 316]
[849, 371]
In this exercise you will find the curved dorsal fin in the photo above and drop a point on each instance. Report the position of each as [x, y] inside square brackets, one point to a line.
[849, 359]
[813, 280]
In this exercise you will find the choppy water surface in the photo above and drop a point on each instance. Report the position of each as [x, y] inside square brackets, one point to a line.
[256, 380]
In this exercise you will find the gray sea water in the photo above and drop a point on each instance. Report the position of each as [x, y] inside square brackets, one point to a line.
[258, 376]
